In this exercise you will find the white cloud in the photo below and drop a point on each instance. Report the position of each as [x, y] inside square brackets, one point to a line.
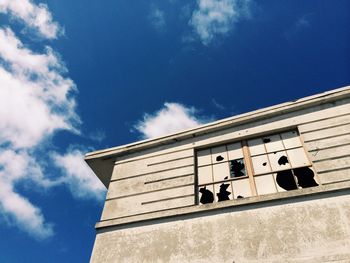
[36, 100]
[157, 18]
[173, 117]
[14, 167]
[34, 96]
[34, 16]
[217, 17]
[25, 214]
[80, 179]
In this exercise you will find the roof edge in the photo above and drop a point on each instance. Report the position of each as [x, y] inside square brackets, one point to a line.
[223, 123]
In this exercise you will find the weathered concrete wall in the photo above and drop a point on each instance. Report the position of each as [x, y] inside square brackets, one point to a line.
[308, 229]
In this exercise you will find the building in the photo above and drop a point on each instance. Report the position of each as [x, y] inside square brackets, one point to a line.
[270, 185]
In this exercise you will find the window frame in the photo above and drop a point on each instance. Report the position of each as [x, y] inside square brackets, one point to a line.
[249, 168]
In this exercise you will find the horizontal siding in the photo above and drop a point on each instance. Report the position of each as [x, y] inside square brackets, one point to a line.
[145, 185]
[335, 176]
[148, 202]
[153, 165]
[328, 142]
[332, 164]
[330, 153]
[326, 133]
[327, 123]
[267, 126]
[142, 184]
[158, 158]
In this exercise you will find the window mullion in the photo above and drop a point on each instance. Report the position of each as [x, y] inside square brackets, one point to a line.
[249, 166]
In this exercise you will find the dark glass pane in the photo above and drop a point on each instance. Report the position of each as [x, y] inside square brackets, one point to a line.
[237, 168]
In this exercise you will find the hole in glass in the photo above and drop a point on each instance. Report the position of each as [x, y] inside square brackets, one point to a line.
[305, 177]
[283, 160]
[219, 158]
[237, 168]
[207, 196]
[223, 194]
[285, 180]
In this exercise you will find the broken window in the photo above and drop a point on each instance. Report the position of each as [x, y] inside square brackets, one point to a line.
[280, 163]
[222, 171]
[277, 163]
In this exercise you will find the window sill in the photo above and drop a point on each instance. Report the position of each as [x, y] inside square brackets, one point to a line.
[194, 209]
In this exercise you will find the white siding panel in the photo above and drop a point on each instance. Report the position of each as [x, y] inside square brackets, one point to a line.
[158, 156]
[335, 176]
[329, 142]
[140, 167]
[139, 185]
[325, 133]
[328, 123]
[148, 202]
[334, 152]
[329, 165]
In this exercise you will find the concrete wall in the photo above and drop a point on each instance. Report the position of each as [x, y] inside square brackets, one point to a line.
[307, 229]
[151, 212]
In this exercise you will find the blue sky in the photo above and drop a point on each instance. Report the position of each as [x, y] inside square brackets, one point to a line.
[77, 76]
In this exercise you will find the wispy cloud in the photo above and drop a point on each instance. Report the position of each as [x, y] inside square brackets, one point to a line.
[37, 99]
[97, 135]
[32, 89]
[33, 16]
[157, 18]
[217, 104]
[78, 176]
[173, 117]
[214, 18]
[301, 23]
[15, 167]
[34, 103]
